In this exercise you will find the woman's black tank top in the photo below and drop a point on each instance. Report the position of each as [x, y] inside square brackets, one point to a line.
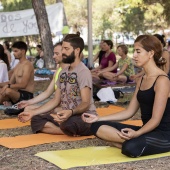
[146, 101]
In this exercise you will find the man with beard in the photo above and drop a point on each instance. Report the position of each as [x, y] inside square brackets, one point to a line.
[73, 94]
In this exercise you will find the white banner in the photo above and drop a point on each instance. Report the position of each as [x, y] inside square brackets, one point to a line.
[20, 23]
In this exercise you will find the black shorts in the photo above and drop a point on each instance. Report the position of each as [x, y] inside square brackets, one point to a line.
[128, 80]
[24, 95]
[72, 126]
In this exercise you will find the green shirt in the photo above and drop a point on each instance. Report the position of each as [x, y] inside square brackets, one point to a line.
[130, 69]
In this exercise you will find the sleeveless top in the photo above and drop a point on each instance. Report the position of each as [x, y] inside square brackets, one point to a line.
[146, 101]
[56, 76]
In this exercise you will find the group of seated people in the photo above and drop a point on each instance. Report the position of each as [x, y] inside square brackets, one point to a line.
[72, 111]
[120, 71]
[123, 70]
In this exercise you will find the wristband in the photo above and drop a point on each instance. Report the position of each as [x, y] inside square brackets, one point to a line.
[9, 85]
[72, 112]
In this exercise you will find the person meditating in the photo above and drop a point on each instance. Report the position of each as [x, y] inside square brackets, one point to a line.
[21, 84]
[73, 94]
[126, 68]
[152, 97]
[107, 61]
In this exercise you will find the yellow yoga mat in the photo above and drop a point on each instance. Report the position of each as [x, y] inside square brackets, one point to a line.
[65, 159]
[12, 123]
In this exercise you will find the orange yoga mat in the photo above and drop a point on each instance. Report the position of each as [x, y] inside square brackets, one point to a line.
[109, 110]
[37, 139]
[12, 123]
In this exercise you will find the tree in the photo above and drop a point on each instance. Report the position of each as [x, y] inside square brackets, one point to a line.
[15, 5]
[166, 7]
[45, 32]
[134, 20]
[64, 14]
[104, 18]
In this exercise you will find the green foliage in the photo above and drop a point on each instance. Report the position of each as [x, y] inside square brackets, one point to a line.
[104, 18]
[109, 16]
[15, 5]
[134, 20]
[166, 7]
[155, 13]
[76, 13]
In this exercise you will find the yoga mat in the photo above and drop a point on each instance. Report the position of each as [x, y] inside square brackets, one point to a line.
[113, 109]
[41, 138]
[109, 110]
[72, 158]
[12, 123]
[24, 141]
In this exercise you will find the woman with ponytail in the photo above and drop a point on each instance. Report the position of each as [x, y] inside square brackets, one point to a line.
[151, 96]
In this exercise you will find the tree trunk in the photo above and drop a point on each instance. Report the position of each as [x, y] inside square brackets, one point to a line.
[44, 30]
[65, 23]
[28, 42]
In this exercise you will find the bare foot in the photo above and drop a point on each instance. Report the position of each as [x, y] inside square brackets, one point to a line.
[7, 103]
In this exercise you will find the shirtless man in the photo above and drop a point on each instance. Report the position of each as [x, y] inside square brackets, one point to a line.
[21, 84]
[34, 103]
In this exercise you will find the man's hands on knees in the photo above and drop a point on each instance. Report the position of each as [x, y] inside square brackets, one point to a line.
[62, 115]
[89, 118]
[25, 116]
